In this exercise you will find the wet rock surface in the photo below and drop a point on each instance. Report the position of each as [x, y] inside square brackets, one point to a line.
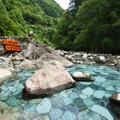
[81, 76]
[48, 80]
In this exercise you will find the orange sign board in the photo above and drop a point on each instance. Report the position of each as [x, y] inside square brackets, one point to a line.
[12, 48]
[11, 45]
[10, 42]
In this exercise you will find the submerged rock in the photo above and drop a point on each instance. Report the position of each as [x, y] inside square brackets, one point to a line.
[81, 76]
[47, 81]
[102, 111]
[44, 106]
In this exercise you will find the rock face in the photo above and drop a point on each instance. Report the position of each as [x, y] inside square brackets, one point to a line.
[47, 81]
[5, 74]
[81, 76]
[46, 54]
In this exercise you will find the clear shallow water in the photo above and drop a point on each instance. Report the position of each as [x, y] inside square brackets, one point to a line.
[86, 101]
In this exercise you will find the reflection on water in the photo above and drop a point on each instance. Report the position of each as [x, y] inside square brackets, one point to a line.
[87, 101]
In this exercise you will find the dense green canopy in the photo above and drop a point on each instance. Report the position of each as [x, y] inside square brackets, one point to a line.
[92, 26]
[18, 17]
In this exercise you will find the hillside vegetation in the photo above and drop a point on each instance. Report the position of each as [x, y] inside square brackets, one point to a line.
[18, 17]
[91, 26]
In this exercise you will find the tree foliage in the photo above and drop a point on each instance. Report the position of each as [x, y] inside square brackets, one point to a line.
[18, 17]
[94, 27]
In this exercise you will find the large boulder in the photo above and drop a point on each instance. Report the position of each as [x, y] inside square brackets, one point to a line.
[100, 59]
[36, 50]
[115, 101]
[47, 81]
[81, 76]
[5, 74]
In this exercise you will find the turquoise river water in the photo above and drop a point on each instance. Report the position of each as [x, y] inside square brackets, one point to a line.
[86, 101]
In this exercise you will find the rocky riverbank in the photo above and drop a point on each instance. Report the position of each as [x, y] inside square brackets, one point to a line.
[34, 55]
[91, 58]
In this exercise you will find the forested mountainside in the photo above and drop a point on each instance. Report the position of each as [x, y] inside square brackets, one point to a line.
[18, 17]
[91, 26]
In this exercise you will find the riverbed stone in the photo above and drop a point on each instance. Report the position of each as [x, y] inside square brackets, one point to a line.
[83, 96]
[99, 93]
[89, 115]
[12, 88]
[87, 91]
[55, 114]
[67, 101]
[57, 102]
[74, 95]
[64, 94]
[68, 116]
[3, 105]
[88, 102]
[100, 79]
[3, 87]
[110, 88]
[13, 101]
[102, 111]
[30, 107]
[44, 106]
[35, 101]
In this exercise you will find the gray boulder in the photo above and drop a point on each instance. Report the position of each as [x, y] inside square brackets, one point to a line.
[115, 102]
[115, 99]
[100, 59]
[36, 50]
[47, 81]
[81, 76]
